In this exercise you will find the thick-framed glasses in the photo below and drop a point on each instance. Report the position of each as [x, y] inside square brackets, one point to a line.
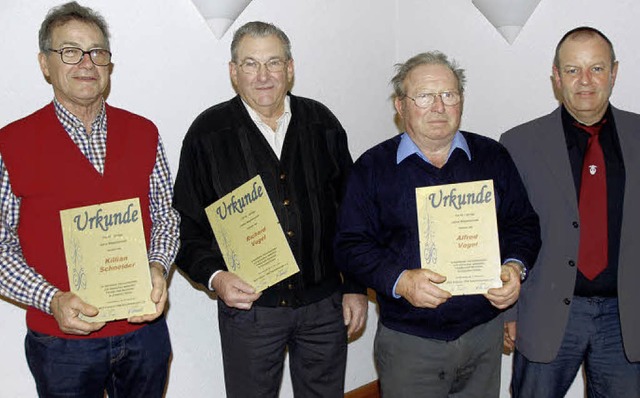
[425, 100]
[74, 55]
[252, 66]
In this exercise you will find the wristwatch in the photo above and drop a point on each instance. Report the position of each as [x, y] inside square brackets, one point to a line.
[523, 270]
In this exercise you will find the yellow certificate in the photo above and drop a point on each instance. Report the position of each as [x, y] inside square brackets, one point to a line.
[459, 235]
[107, 259]
[250, 237]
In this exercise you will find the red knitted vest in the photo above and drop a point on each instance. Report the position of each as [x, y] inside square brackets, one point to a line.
[49, 173]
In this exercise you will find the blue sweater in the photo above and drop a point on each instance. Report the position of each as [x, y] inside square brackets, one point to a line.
[377, 236]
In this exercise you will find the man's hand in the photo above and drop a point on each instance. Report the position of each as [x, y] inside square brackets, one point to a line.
[158, 294]
[66, 307]
[418, 287]
[354, 310]
[506, 295]
[509, 337]
[234, 291]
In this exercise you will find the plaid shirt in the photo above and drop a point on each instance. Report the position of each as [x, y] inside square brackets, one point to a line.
[21, 282]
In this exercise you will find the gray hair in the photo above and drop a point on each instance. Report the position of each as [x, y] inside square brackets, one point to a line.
[580, 32]
[259, 29]
[428, 58]
[64, 13]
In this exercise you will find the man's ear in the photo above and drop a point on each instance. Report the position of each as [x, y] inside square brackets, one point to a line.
[557, 79]
[398, 104]
[44, 64]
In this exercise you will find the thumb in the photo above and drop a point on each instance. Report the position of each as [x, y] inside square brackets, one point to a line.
[346, 312]
[88, 309]
[156, 293]
[437, 278]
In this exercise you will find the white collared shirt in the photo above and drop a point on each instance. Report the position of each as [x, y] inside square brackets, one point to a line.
[274, 138]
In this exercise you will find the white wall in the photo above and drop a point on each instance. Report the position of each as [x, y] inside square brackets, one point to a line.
[169, 67]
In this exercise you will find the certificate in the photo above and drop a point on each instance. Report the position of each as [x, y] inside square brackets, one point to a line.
[459, 235]
[249, 235]
[107, 262]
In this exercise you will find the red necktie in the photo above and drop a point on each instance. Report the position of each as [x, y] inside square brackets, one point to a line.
[592, 205]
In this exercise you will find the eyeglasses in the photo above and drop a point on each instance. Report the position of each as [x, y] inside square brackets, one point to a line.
[252, 67]
[425, 100]
[74, 55]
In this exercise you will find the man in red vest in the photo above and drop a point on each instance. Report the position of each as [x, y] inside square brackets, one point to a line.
[60, 158]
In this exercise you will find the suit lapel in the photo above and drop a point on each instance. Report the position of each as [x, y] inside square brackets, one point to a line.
[551, 149]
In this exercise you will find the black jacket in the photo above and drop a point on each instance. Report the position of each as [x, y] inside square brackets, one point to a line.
[223, 149]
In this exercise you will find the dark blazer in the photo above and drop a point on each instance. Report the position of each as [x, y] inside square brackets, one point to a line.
[540, 152]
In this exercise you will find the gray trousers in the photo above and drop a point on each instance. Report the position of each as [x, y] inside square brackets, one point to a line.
[416, 367]
[254, 344]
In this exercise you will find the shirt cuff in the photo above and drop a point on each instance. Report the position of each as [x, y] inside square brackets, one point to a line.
[513, 260]
[48, 294]
[210, 284]
[162, 260]
[393, 291]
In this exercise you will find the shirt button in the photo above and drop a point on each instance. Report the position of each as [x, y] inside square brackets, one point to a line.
[283, 303]
[283, 176]
[575, 224]
[290, 234]
[290, 286]
[566, 301]
[286, 202]
[572, 263]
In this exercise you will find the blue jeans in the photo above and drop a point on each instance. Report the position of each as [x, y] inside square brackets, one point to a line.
[131, 365]
[592, 336]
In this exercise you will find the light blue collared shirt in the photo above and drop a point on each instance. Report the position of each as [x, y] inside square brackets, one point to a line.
[407, 147]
